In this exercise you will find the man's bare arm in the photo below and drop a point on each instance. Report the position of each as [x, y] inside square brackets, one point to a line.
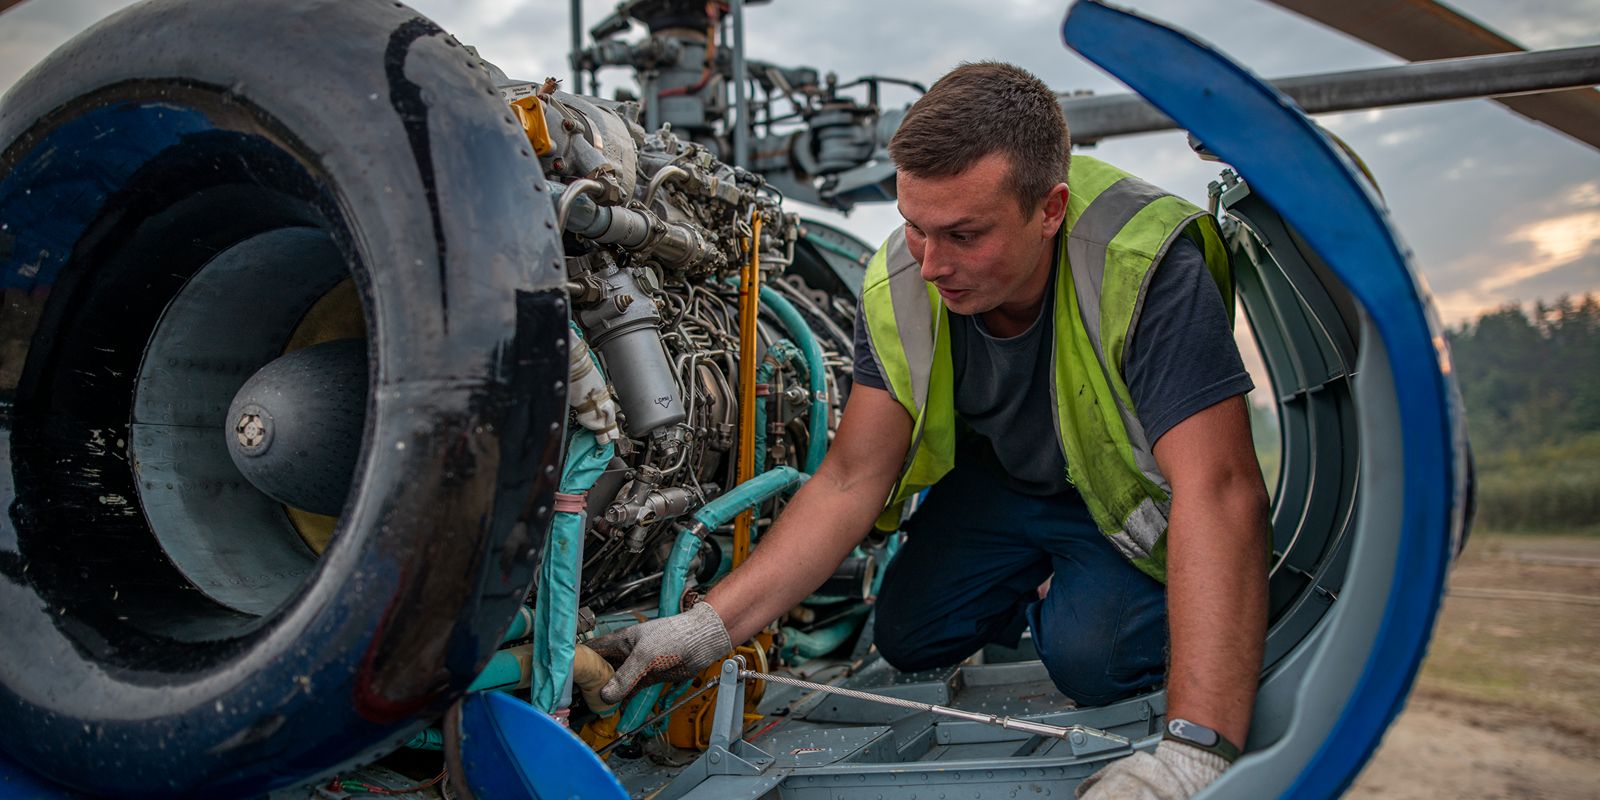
[826, 518]
[1217, 547]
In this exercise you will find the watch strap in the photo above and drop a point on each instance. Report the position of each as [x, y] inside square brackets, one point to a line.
[1202, 737]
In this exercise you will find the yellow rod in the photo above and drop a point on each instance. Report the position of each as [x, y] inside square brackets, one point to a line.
[749, 306]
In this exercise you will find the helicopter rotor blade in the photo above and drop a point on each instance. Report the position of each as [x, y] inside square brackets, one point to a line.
[1425, 30]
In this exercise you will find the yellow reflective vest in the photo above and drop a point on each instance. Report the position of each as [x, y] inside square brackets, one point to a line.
[1116, 230]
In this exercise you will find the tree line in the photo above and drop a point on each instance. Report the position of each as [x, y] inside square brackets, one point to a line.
[1530, 377]
[1530, 381]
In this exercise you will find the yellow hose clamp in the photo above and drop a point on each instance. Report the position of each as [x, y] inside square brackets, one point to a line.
[530, 112]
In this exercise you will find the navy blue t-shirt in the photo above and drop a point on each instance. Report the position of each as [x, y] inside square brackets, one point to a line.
[1181, 358]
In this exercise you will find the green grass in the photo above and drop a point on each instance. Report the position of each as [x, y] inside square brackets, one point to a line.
[1540, 489]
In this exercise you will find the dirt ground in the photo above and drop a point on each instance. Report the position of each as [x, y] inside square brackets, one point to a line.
[1508, 703]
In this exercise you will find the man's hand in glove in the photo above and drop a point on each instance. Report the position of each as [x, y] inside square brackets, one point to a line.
[672, 648]
[1176, 771]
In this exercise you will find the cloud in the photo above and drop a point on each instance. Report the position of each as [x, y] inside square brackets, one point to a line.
[1480, 194]
[1555, 243]
[1538, 24]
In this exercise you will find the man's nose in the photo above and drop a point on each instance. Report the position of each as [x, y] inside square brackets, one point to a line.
[933, 263]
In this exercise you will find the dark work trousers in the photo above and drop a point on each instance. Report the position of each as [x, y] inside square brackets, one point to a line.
[975, 554]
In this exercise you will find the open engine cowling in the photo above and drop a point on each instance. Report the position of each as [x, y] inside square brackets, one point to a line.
[178, 187]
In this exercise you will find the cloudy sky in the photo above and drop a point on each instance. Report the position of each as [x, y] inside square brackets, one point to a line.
[1497, 209]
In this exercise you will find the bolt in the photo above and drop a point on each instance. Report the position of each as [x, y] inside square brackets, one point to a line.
[250, 430]
[622, 301]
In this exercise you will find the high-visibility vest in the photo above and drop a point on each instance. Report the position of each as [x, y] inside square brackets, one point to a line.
[1117, 228]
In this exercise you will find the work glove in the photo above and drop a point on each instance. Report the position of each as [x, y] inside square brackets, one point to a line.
[674, 648]
[1175, 771]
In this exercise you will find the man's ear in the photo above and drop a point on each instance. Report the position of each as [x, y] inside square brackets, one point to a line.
[1055, 211]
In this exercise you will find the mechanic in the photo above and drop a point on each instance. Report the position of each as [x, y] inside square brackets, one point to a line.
[1076, 403]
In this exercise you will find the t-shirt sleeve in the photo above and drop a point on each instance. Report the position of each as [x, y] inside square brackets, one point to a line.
[867, 371]
[1181, 357]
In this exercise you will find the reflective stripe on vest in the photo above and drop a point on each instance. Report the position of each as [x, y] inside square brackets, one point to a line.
[1118, 228]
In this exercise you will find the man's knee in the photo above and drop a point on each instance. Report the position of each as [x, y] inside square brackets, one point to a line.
[907, 656]
[903, 639]
[1084, 677]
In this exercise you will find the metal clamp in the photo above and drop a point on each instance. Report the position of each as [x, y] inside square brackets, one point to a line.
[729, 753]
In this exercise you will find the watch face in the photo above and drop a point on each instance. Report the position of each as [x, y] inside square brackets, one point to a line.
[1190, 732]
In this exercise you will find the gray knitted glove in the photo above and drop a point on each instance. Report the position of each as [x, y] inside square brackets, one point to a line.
[1175, 772]
[674, 648]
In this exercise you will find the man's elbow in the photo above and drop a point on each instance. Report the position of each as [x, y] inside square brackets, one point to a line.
[1237, 494]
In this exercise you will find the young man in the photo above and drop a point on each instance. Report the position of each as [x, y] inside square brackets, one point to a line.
[1054, 359]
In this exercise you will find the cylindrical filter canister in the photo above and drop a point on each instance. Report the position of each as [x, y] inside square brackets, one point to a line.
[637, 365]
[624, 330]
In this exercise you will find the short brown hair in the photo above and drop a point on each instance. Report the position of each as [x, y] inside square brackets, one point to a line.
[982, 108]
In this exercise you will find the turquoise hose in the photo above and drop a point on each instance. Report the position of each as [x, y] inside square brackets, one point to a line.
[801, 645]
[521, 625]
[555, 610]
[817, 444]
[503, 671]
[746, 495]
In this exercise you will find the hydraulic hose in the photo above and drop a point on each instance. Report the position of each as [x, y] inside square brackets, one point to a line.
[804, 645]
[507, 669]
[590, 672]
[800, 332]
[555, 612]
[749, 494]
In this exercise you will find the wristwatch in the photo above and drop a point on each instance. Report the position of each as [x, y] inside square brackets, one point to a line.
[1196, 735]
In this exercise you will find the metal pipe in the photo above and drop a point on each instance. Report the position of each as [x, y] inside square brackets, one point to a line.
[741, 102]
[817, 444]
[577, 45]
[1094, 118]
[669, 172]
[672, 243]
[779, 352]
[749, 309]
[570, 194]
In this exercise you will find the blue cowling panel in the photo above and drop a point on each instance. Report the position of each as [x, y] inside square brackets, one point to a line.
[513, 751]
[1293, 166]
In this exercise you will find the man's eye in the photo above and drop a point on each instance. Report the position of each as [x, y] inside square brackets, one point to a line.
[961, 237]
[912, 230]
